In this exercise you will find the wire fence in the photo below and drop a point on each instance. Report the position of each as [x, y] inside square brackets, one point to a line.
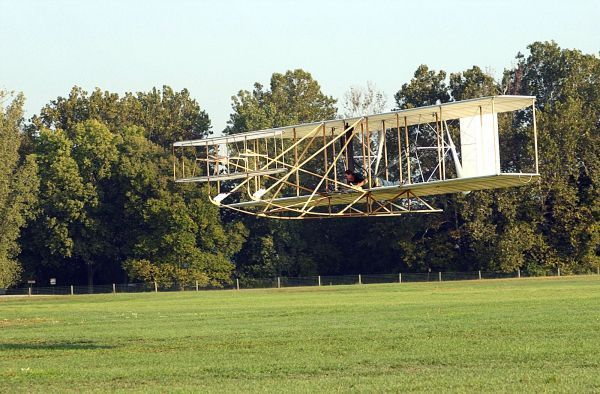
[285, 282]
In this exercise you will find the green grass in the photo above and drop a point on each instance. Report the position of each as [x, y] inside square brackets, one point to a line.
[490, 335]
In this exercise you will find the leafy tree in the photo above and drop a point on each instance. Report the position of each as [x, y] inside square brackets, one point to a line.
[174, 233]
[183, 243]
[472, 83]
[18, 187]
[425, 242]
[426, 88]
[359, 101]
[275, 248]
[476, 231]
[72, 164]
[567, 86]
[166, 115]
[108, 196]
[293, 98]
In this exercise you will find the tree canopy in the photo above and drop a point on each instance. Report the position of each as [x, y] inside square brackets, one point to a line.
[107, 202]
[86, 190]
[18, 186]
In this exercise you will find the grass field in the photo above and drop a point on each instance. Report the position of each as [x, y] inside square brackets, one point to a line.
[491, 335]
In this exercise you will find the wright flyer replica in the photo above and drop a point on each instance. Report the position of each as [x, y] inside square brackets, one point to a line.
[298, 172]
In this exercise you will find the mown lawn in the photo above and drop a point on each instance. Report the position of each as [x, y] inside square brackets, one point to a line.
[490, 335]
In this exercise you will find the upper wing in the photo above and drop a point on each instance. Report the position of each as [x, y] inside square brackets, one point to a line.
[408, 117]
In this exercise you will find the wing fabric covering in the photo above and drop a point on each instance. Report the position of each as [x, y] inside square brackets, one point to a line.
[391, 193]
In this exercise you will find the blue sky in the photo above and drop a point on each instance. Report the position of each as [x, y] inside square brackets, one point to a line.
[216, 48]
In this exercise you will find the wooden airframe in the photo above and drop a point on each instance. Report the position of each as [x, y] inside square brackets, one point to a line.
[297, 172]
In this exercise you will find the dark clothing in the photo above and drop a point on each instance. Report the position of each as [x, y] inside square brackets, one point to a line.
[358, 178]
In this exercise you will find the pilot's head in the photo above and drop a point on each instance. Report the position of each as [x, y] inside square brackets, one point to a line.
[349, 176]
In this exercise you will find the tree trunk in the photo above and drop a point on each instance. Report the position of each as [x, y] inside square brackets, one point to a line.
[90, 277]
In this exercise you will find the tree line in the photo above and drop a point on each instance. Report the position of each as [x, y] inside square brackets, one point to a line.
[86, 190]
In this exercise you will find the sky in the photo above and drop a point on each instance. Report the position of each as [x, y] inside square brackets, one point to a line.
[216, 48]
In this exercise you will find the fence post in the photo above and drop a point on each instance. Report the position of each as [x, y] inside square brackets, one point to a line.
[319, 277]
[196, 285]
[29, 291]
[359, 279]
[279, 282]
[114, 289]
[558, 271]
[155, 287]
[72, 292]
[440, 276]
[518, 272]
[479, 274]
[237, 283]
[598, 270]
[399, 277]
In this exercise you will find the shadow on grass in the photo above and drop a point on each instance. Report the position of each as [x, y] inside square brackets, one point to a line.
[54, 346]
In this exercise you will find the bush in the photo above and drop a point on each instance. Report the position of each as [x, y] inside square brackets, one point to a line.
[10, 273]
[165, 275]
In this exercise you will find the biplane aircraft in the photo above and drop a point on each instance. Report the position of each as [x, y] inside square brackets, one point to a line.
[404, 156]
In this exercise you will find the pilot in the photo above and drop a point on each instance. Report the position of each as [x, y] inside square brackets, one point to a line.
[357, 180]
[354, 178]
